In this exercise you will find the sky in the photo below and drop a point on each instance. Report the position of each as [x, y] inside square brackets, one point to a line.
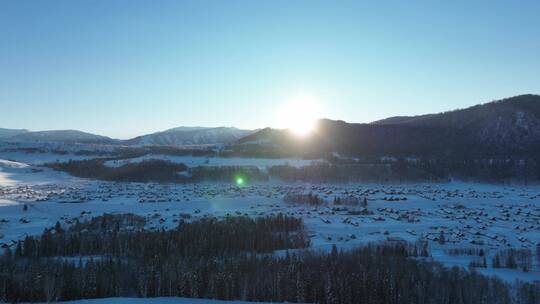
[125, 68]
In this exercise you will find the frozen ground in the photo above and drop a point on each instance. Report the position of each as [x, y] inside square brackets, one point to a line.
[491, 217]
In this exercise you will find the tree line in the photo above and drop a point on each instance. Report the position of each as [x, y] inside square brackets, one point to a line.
[123, 236]
[372, 170]
[153, 170]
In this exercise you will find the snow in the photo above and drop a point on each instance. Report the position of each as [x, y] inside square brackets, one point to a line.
[184, 136]
[41, 158]
[495, 216]
[14, 173]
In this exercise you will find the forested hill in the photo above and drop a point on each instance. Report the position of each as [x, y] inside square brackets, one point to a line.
[508, 128]
[482, 113]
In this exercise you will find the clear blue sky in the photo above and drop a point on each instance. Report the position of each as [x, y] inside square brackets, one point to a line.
[122, 68]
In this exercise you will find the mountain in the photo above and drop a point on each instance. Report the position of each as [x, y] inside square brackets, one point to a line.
[511, 124]
[63, 136]
[185, 129]
[6, 133]
[190, 136]
[514, 109]
[173, 137]
[504, 128]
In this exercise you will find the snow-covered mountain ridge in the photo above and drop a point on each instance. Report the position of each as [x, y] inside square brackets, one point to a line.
[179, 136]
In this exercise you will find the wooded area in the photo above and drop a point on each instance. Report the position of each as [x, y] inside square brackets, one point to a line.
[232, 258]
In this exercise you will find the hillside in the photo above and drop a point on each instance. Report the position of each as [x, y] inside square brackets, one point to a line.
[180, 136]
[190, 136]
[6, 133]
[63, 136]
[517, 109]
[505, 128]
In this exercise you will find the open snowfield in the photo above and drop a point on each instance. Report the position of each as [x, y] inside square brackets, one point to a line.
[190, 161]
[492, 217]
[40, 158]
[14, 173]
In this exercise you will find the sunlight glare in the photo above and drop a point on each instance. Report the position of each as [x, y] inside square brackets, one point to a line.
[300, 115]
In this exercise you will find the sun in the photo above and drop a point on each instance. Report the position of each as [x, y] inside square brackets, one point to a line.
[300, 115]
[302, 125]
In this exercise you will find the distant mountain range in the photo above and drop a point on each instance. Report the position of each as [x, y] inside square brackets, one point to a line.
[65, 136]
[173, 137]
[190, 136]
[504, 128]
[6, 133]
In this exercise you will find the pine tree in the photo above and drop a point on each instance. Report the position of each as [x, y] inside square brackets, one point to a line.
[496, 261]
[300, 288]
[510, 260]
[7, 252]
[58, 227]
[425, 252]
[329, 292]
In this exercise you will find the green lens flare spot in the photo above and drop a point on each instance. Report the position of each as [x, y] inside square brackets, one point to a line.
[239, 181]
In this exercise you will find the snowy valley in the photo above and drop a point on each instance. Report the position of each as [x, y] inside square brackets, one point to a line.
[469, 225]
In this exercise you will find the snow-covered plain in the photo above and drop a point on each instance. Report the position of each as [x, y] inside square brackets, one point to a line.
[492, 217]
[40, 158]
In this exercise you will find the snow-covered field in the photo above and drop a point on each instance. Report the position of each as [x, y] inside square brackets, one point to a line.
[14, 173]
[38, 158]
[491, 217]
